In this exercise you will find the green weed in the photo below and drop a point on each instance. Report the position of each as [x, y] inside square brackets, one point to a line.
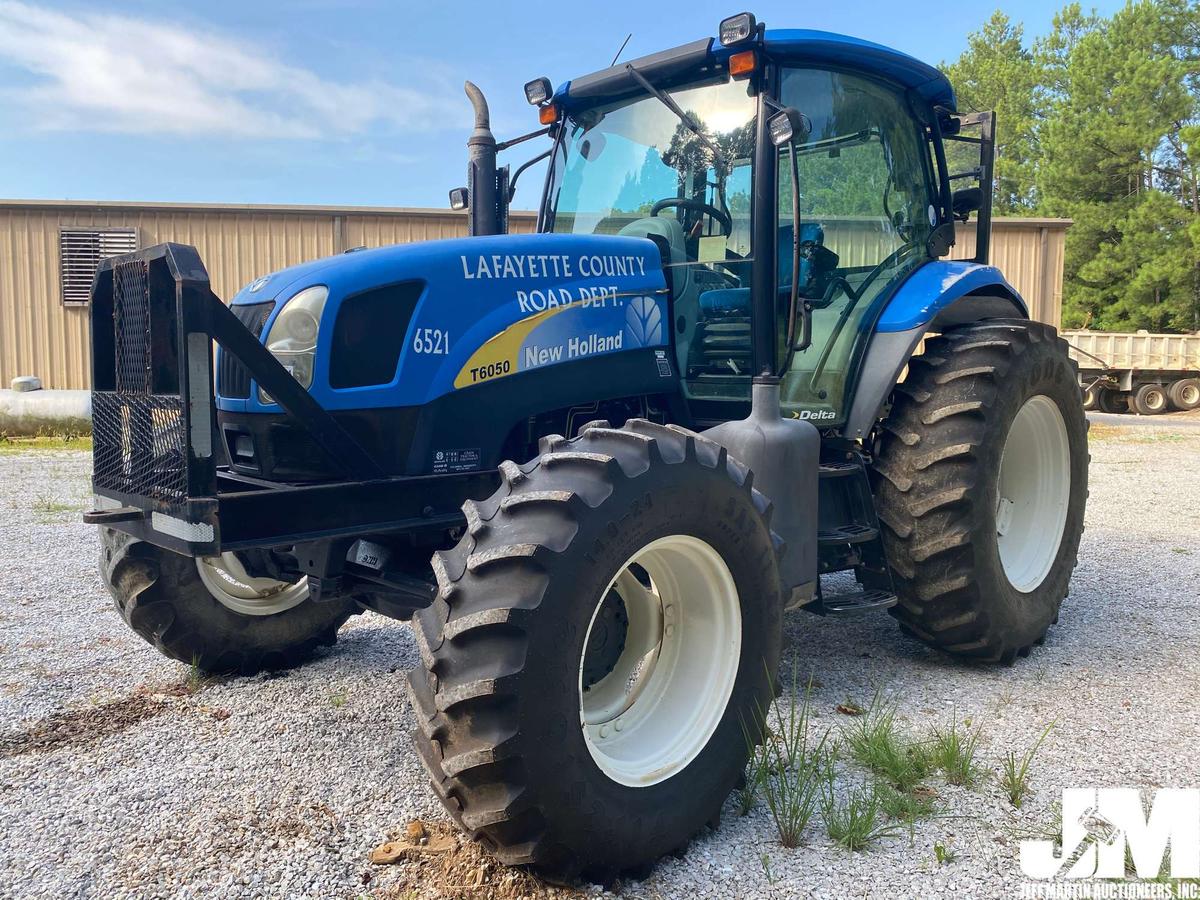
[857, 822]
[876, 743]
[953, 751]
[792, 765]
[906, 806]
[943, 854]
[1014, 771]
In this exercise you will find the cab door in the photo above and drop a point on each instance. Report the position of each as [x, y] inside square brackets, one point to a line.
[868, 206]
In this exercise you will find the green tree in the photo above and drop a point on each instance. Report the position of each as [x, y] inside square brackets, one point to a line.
[998, 72]
[1118, 157]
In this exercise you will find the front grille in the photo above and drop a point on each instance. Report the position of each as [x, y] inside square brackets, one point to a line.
[233, 378]
[139, 445]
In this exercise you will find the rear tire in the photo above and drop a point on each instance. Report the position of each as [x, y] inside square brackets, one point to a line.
[163, 598]
[1150, 400]
[1185, 393]
[501, 697]
[982, 553]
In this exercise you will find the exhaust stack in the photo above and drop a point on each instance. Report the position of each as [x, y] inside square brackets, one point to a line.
[481, 169]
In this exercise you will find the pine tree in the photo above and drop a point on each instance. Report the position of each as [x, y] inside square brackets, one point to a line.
[997, 72]
[1119, 157]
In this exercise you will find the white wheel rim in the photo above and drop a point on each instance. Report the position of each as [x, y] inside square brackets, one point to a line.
[1190, 394]
[666, 693]
[1156, 400]
[1034, 491]
[233, 587]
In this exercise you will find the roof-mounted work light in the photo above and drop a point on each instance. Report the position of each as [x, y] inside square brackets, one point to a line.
[737, 29]
[538, 91]
[459, 198]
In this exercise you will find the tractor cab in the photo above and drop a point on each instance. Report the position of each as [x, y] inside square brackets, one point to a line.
[693, 148]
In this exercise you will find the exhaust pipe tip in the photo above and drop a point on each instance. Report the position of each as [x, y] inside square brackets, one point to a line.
[483, 129]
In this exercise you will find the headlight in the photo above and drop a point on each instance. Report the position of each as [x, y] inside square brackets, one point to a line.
[293, 336]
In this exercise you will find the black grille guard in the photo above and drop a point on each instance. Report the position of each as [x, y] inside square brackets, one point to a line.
[156, 466]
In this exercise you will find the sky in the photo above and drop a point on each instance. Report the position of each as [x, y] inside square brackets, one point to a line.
[343, 103]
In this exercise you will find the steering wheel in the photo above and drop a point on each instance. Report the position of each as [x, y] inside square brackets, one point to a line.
[722, 218]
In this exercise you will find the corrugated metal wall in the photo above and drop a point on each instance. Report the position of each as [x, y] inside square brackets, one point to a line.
[40, 336]
[1030, 254]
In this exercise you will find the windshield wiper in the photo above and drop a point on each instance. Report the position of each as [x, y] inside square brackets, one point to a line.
[691, 124]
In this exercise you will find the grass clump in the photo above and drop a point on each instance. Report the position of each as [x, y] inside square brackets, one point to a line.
[858, 821]
[875, 742]
[1014, 771]
[953, 752]
[789, 765]
[906, 807]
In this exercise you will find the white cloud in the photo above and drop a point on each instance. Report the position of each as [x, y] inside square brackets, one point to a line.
[106, 72]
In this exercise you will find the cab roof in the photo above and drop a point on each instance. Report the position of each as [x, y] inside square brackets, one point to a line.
[807, 45]
[795, 46]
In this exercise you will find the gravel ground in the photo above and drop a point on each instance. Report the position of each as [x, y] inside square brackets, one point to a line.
[122, 777]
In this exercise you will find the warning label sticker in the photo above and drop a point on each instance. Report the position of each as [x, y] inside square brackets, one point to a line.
[462, 460]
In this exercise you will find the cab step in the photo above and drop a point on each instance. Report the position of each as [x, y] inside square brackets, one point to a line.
[852, 604]
[838, 469]
[847, 534]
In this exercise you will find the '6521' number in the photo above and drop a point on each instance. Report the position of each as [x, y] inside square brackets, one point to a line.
[431, 340]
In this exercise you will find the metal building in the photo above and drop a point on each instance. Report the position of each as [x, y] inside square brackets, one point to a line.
[49, 250]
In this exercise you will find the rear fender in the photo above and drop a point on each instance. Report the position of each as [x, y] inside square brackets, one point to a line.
[938, 296]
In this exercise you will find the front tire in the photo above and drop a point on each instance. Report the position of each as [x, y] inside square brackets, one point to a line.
[177, 604]
[542, 739]
[981, 482]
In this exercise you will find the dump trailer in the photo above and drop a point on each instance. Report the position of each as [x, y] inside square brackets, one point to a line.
[597, 464]
[1141, 372]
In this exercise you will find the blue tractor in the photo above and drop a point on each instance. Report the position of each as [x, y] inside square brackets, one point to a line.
[595, 465]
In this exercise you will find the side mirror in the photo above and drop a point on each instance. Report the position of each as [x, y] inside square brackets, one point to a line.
[965, 201]
[788, 126]
[459, 198]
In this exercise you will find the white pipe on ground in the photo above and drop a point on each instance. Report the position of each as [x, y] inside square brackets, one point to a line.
[39, 412]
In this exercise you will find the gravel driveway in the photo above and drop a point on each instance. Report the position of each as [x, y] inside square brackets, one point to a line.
[121, 775]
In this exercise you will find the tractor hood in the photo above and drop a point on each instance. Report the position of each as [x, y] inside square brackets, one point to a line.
[471, 310]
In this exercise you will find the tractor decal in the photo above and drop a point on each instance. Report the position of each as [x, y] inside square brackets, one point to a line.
[602, 322]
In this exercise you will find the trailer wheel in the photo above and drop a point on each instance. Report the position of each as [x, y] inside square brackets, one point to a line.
[981, 481]
[1150, 400]
[1113, 401]
[1091, 397]
[1185, 393]
[603, 636]
[211, 613]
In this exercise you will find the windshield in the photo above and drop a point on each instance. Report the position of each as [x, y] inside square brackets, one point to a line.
[641, 170]
[640, 160]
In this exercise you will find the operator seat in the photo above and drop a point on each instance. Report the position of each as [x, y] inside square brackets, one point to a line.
[722, 342]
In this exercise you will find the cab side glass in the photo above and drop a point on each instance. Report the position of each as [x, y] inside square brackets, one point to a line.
[867, 208]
